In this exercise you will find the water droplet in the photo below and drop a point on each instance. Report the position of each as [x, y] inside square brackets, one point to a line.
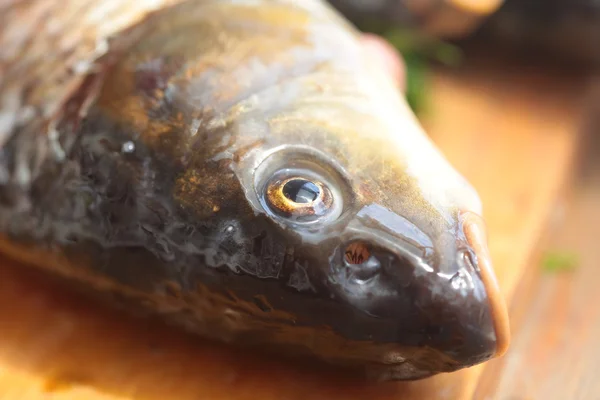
[461, 280]
[195, 126]
[128, 147]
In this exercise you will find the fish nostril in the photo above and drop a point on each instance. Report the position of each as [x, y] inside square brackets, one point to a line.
[357, 253]
[360, 263]
[363, 262]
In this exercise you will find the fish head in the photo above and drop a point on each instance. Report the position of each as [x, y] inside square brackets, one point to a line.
[379, 236]
[386, 226]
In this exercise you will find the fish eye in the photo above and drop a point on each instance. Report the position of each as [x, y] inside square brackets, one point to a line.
[300, 198]
[303, 189]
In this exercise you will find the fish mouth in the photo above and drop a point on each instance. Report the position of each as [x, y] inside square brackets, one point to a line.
[444, 300]
[474, 229]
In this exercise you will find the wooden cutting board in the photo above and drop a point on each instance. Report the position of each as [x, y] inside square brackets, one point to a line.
[511, 131]
[555, 353]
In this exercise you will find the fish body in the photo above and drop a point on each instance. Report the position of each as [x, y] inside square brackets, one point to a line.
[243, 171]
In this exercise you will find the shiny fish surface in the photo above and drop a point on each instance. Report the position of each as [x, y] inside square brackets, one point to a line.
[240, 169]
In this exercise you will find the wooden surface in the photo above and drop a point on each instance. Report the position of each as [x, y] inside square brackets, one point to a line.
[555, 354]
[493, 126]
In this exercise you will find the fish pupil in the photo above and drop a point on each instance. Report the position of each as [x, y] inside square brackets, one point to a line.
[301, 191]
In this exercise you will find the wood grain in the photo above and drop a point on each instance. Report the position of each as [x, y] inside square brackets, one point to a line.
[492, 125]
[555, 354]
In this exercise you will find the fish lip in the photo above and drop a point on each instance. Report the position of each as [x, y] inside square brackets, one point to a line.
[474, 229]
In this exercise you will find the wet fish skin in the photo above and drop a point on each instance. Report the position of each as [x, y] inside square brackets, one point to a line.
[143, 175]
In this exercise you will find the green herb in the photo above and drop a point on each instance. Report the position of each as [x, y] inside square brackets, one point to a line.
[557, 261]
[417, 83]
[419, 51]
[412, 42]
